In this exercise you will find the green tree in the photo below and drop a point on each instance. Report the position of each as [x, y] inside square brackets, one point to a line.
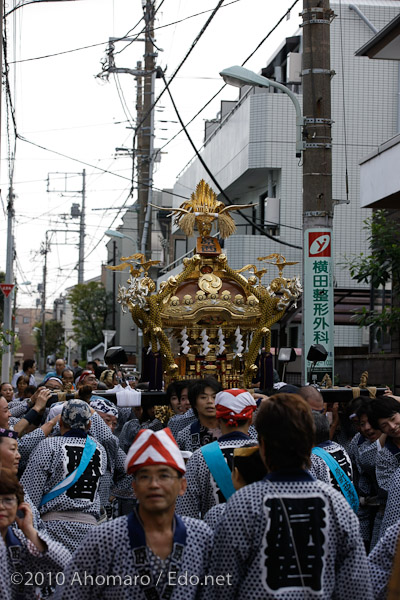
[90, 306]
[380, 267]
[54, 342]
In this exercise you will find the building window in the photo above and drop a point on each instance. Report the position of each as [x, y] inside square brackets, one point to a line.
[16, 320]
[26, 320]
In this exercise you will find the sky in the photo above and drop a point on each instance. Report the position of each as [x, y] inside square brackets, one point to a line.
[72, 120]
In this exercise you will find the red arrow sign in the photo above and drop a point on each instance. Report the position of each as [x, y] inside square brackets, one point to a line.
[6, 288]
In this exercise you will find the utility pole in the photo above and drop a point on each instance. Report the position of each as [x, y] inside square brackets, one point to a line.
[145, 190]
[139, 148]
[318, 308]
[44, 250]
[75, 212]
[8, 301]
[82, 231]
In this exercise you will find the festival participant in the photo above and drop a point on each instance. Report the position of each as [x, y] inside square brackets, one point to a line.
[109, 378]
[63, 474]
[10, 456]
[67, 378]
[186, 416]
[385, 416]
[16, 407]
[4, 573]
[53, 383]
[144, 419]
[59, 368]
[392, 508]
[173, 399]
[209, 469]
[115, 474]
[313, 397]
[87, 378]
[28, 551]
[22, 384]
[288, 536]
[381, 562]
[248, 467]
[339, 472]
[141, 555]
[29, 369]
[6, 390]
[363, 450]
[205, 428]
[30, 419]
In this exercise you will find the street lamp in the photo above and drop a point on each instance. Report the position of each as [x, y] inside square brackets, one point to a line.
[117, 234]
[239, 76]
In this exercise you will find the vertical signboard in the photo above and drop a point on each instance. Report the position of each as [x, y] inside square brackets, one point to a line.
[318, 305]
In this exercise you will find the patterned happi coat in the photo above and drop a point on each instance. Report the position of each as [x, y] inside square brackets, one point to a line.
[387, 462]
[213, 516]
[380, 561]
[254, 543]
[364, 454]
[52, 461]
[18, 408]
[320, 469]
[392, 509]
[132, 428]
[25, 559]
[202, 491]
[179, 422]
[114, 477]
[4, 572]
[107, 555]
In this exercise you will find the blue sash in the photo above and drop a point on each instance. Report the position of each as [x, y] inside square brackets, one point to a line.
[218, 467]
[72, 478]
[345, 484]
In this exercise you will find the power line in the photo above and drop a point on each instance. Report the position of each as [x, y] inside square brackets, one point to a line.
[107, 41]
[192, 46]
[224, 85]
[82, 162]
[33, 2]
[245, 217]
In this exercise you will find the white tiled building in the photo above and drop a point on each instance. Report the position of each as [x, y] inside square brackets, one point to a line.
[251, 152]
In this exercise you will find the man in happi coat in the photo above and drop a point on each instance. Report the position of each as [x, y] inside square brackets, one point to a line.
[68, 501]
[205, 489]
[289, 536]
[204, 429]
[151, 553]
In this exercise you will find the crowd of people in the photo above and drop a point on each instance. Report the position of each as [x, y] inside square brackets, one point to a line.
[225, 494]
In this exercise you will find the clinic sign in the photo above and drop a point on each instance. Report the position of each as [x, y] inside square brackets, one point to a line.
[318, 299]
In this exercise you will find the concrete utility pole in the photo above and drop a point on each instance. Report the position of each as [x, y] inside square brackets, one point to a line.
[8, 301]
[75, 212]
[318, 309]
[147, 127]
[139, 147]
[81, 261]
[44, 250]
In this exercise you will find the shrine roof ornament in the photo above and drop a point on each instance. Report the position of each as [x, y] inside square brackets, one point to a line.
[202, 210]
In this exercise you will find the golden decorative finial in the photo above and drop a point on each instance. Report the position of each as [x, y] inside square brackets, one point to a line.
[280, 262]
[202, 209]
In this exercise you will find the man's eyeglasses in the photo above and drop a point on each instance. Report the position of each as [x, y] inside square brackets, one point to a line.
[161, 478]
